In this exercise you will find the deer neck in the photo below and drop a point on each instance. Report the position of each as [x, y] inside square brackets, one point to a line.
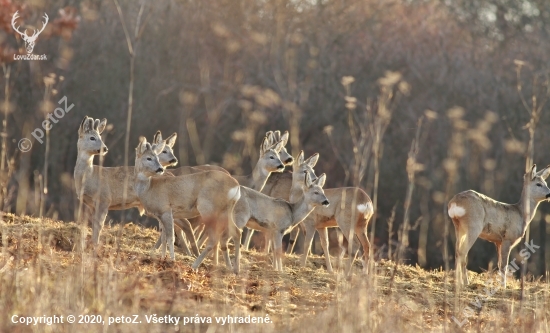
[142, 184]
[300, 210]
[84, 167]
[296, 193]
[527, 207]
[259, 178]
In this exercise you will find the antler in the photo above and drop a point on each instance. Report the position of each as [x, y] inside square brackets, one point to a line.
[15, 17]
[43, 26]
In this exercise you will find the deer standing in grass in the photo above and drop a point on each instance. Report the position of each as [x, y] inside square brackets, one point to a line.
[350, 207]
[475, 215]
[277, 217]
[269, 161]
[278, 184]
[166, 159]
[210, 194]
[100, 188]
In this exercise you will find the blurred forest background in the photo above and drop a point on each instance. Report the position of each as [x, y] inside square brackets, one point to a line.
[349, 79]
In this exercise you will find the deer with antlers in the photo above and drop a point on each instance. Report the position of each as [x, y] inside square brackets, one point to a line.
[29, 40]
[475, 215]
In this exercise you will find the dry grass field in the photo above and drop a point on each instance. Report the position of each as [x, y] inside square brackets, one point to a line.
[44, 273]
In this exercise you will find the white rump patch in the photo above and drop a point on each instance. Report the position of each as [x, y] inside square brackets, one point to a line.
[234, 193]
[362, 208]
[456, 211]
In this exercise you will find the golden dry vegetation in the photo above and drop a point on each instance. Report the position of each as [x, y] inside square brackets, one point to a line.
[43, 272]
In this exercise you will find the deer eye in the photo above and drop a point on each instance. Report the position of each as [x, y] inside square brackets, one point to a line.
[92, 138]
[539, 184]
[305, 171]
[164, 151]
[149, 159]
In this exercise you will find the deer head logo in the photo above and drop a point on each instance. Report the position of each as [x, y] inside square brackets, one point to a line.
[29, 40]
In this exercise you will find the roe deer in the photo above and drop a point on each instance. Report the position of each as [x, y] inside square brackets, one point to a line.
[166, 159]
[268, 162]
[476, 215]
[278, 184]
[276, 217]
[100, 188]
[350, 207]
[210, 194]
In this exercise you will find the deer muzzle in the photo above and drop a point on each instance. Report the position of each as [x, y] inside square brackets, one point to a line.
[326, 203]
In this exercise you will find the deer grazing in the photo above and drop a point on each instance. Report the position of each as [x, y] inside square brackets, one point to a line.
[29, 40]
[210, 194]
[100, 188]
[475, 215]
[277, 217]
[350, 207]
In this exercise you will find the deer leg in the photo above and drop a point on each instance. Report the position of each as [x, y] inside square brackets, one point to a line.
[168, 224]
[323, 237]
[267, 243]
[202, 239]
[159, 241]
[466, 235]
[248, 238]
[237, 237]
[278, 251]
[503, 256]
[212, 243]
[309, 233]
[225, 252]
[190, 234]
[181, 240]
[293, 238]
[361, 232]
[162, 239]
[98, 220]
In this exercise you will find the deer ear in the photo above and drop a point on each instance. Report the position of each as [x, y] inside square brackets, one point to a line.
[312, 160]
[284, 138]
[171, 140]
[81, 127]
[300, 159]
[102, 125]
[269, 136]
[534, 171]
[157, 149]
[278, 146]
[96, 124]
[157, 138]
[321, 180]
[308, 180]
[277, 136]
[88, 125]
[142, 146]
[264, 146]
[544, 173]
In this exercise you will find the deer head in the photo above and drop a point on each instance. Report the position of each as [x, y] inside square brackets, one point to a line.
[29, 40]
